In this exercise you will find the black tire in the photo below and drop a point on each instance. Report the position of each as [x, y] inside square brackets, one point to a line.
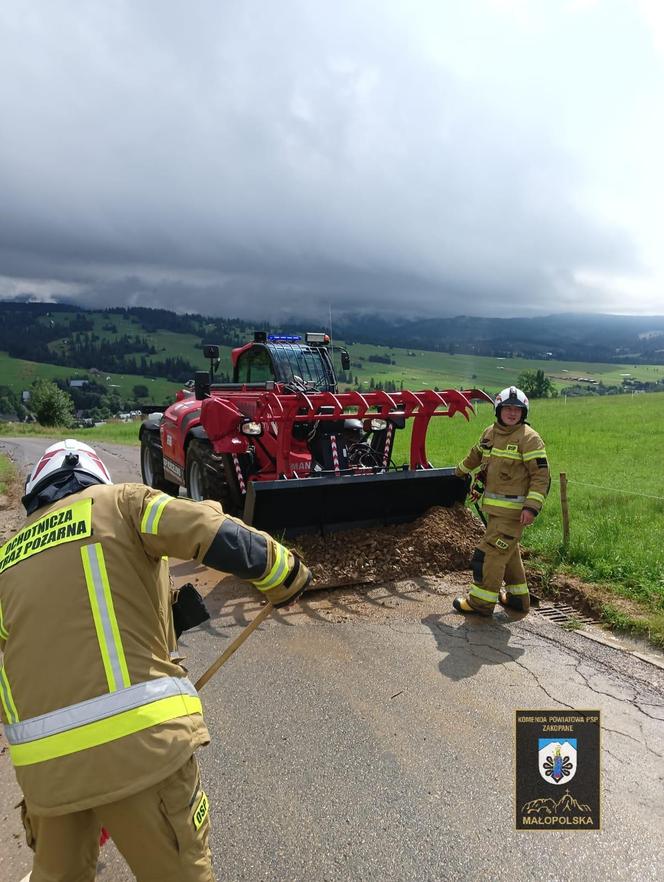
[152, 467]
[206, 476]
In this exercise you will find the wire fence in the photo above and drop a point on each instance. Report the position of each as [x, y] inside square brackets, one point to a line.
[615, 489]
[564, 501]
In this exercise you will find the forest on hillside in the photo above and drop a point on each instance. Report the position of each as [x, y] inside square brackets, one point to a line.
[32, 330]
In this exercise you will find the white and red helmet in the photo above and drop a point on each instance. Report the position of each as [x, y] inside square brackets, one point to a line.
[513, 397]
[62, 458]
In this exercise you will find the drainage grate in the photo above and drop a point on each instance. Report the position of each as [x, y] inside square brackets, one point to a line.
[562, 613]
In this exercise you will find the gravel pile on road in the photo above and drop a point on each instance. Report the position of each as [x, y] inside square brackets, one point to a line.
[440, 541]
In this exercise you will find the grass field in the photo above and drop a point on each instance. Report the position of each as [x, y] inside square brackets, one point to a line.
[113, 431]
[6, 472]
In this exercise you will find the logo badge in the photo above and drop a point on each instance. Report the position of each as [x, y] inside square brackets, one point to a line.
[557, 762]
[554, 748]
[201, 811]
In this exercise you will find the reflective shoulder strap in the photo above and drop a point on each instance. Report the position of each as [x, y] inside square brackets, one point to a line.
[153, 512]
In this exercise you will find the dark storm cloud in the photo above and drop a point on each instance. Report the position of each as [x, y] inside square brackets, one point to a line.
[256, 159]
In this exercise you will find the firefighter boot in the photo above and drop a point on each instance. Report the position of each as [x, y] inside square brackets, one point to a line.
[463, 605]
[515, 597]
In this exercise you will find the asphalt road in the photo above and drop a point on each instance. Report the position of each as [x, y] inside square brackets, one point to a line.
[370, 736]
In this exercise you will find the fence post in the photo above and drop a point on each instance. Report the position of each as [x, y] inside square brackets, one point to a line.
[564, 508]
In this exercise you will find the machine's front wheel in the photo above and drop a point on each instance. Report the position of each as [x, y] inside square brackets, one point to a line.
[206, 476]
[152, 469]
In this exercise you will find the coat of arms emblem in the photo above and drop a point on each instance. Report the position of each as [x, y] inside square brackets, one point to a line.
[557, 760]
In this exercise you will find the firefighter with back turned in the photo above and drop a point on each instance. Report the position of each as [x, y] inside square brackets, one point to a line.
[102, 724]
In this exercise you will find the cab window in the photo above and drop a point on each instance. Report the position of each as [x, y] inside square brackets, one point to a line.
[254, 366]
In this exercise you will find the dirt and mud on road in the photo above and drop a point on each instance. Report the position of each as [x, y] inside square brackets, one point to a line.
[439, 542]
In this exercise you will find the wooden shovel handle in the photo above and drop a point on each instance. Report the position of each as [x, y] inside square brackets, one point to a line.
[228, 652]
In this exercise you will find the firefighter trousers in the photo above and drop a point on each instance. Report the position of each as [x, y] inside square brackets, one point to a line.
[162, 833]
[497, 559]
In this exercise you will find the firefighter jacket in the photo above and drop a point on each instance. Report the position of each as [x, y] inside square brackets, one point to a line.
[94, 708]
[513, 467]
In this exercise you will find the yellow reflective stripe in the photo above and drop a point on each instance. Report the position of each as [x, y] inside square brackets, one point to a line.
[100, 707]
[501, 503]
[538, 497]
[7, 698]
[483, 594]
[462, 468]
[4, 633]
[278, 572]
[522, 588]
[534, 454]
[506, 454]
[153, 512]
[103, 731]
[103, 614]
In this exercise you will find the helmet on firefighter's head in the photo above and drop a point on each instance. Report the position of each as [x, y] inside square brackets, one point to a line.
[512, 397]
[61, 460]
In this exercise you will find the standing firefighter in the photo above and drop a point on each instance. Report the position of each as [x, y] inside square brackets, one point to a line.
[513, 472]
[102, 726]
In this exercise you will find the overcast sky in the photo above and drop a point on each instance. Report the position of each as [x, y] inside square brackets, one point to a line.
[271, 157]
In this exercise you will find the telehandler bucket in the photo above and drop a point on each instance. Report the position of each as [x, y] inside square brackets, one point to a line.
[326, 504]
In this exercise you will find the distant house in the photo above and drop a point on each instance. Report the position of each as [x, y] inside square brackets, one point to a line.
[77, 384]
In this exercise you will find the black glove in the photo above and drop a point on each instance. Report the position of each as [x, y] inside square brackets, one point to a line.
[477, 490]
[189, 609]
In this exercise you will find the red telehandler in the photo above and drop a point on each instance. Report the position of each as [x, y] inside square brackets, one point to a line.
[283, 449]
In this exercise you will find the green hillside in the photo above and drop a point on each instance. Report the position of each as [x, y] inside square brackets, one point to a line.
[162, 349]
[419, 370]
[19, 374]
[422, 369]
[168, 344]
